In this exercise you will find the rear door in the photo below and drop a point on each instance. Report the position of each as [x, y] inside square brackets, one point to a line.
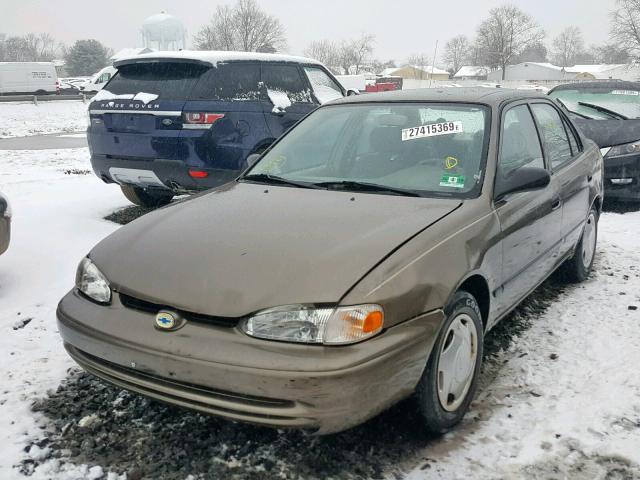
[138, 115]
[287, 96]
[230, 92]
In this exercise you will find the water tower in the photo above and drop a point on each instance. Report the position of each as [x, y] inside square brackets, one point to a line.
[163, 32]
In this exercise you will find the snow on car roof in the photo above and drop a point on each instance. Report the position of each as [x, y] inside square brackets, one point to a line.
[214, 57]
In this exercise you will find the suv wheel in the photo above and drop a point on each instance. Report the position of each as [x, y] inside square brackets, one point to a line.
[449, 381]
[146, 198]
[579, 266]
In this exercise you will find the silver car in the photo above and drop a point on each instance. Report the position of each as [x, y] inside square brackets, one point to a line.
[5, 223]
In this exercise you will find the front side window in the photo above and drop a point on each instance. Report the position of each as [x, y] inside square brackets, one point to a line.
[554, 134]
[285, 80]
[323, 85]
[520, 146]
[427, 149]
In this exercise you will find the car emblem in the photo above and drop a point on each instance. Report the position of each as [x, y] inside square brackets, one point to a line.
[167, 122]
[166, 320]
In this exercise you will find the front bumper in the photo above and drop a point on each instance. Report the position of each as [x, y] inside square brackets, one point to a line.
[622, 178]
[170, 174]
[221, 371]
[5, 233]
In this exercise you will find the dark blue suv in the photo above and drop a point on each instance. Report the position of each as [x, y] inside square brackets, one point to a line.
[177, 122]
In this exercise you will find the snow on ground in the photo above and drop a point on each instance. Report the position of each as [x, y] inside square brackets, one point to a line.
[20, 119]
[57, 219]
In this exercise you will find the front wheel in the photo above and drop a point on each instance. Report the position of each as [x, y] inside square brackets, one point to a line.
[146, 198]
[449, 381]
[579, 266]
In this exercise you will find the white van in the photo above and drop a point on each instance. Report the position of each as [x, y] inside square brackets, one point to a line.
[99, 80]
[27, 78]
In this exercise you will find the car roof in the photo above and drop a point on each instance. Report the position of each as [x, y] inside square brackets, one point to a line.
[213, 57]
[598, 84]
[487, 96]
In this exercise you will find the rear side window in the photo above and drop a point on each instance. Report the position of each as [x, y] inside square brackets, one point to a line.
[323, 85]
[573, 141]
[554, 134]
[520, 144]
[230, 82]
[170, 81]
[286, 79]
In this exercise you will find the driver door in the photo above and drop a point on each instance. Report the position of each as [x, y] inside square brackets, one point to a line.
[530, 221]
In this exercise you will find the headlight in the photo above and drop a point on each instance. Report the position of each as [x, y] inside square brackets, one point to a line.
[91, 282]
[304, 324]
[7, 211]
[622, 150]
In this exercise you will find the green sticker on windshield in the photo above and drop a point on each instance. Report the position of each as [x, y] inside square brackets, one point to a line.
[452, 181]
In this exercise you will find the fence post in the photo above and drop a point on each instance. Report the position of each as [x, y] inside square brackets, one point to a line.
[35, 100]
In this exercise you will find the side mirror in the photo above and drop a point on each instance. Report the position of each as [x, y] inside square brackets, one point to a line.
[521, 180]
[352, 92]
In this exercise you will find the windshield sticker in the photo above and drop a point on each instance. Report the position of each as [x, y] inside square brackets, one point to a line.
[625, 92]
[450, 163]
[432, 130]
[452, 181]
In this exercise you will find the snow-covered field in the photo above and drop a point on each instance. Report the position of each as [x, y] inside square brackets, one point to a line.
[23, 119]
[562, 400]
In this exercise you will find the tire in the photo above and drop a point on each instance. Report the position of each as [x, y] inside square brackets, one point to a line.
[146, 198]
[442, 411]
[578, 267]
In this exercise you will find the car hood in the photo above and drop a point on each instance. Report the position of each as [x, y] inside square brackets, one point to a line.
[609, 133]
[245, 247]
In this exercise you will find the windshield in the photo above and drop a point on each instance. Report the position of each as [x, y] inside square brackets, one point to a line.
[430, 149]
[583, 102]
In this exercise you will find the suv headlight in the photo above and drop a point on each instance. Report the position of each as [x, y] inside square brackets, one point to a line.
[92, 282]
[632, 148]
[305, 324]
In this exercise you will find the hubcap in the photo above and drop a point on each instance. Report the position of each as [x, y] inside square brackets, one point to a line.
[457, 362]
[589, 241]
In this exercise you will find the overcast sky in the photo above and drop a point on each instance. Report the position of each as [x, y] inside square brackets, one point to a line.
[400, 28]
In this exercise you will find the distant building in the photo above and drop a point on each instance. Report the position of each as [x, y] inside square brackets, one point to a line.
[630, 72]
[417, 72]
[470, 72]
[129, 52]
[531, 72]
[163, 32]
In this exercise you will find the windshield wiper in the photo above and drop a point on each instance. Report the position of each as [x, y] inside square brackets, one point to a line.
[366, 187]
[276, 180]
[604, 110]
[581, 115]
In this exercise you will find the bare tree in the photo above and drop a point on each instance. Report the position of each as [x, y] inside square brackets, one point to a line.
[346, 57]
[607, 53]
[567, 47]
[356, 53]
[505, 34]
[536, 52]
[456, 53]
[327, 52]
[625, 26]
[244, 27]
[29, 48]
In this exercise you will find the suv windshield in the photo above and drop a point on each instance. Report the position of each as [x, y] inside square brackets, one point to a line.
[428, 149]
[602, 103]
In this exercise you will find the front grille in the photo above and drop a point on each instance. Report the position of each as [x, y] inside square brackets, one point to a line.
[153, 308]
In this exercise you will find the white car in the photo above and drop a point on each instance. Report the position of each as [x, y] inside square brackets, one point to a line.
[99, 80]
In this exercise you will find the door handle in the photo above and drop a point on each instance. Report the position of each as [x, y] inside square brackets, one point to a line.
[556, 204]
